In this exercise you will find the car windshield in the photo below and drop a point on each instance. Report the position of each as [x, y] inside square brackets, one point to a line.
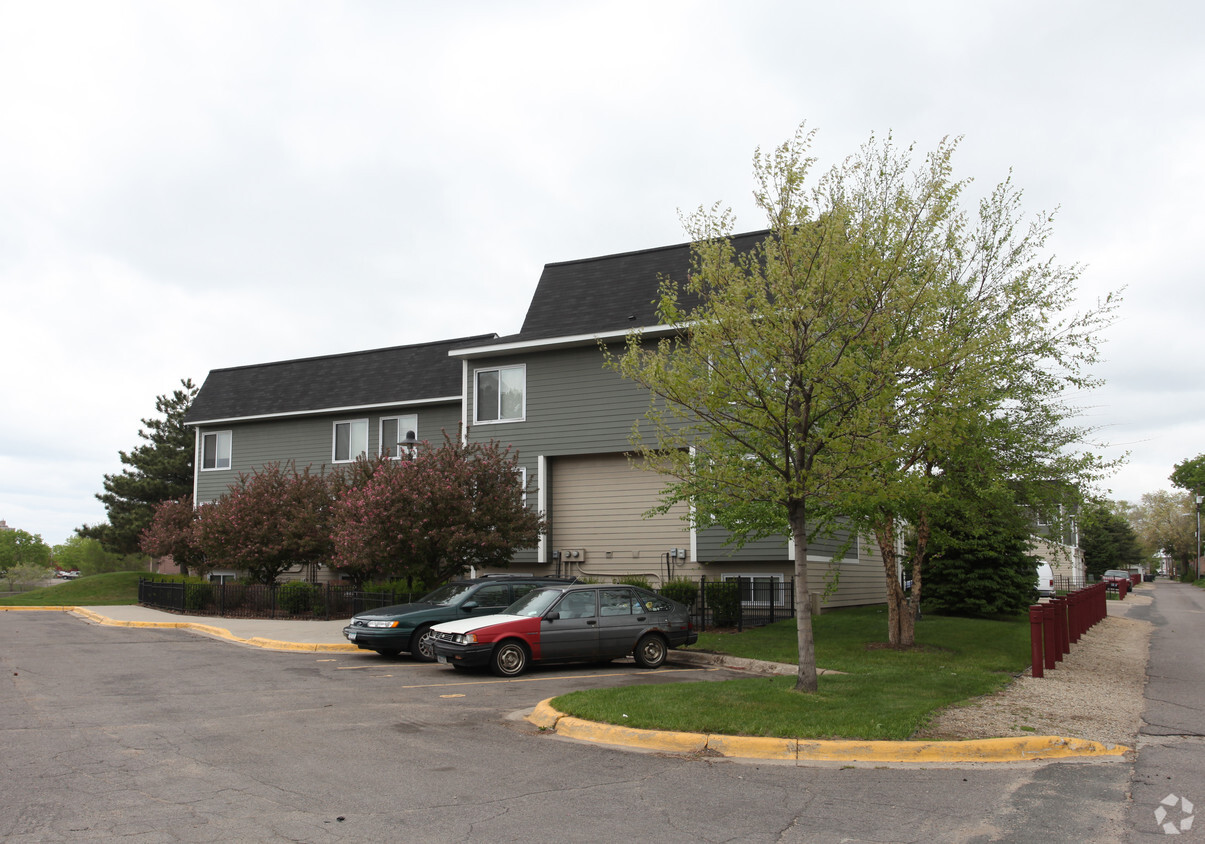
[534, 603]
[447, 595]
[1116, 573]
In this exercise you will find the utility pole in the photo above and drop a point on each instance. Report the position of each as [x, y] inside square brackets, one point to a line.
[1199, 497]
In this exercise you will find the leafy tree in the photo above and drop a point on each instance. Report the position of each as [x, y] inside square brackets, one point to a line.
[161, 469]
[1190, 475]
[268, 522]
[28, 574]
[173, 532]
[86, 556]
[824, 373]
[433, 516]
[21, 548]
[1107, 539]
[1165, 523]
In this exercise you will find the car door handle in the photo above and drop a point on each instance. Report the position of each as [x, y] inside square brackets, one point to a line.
[641, 617]
[591, 621]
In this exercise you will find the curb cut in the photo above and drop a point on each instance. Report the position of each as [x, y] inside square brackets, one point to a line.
[203, 629]
[805, 751]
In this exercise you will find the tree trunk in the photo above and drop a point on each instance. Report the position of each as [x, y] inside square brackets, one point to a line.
[901, 612]
[806, 680]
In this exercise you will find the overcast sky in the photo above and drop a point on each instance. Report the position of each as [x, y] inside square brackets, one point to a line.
[188, 186]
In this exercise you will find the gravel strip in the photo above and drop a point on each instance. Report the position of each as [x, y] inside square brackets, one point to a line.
[1095, 693]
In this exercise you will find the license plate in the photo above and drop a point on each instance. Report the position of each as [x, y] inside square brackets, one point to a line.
[351, 637]
[442, 659]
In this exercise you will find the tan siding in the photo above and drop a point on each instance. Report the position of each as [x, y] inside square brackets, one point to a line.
[597, 505]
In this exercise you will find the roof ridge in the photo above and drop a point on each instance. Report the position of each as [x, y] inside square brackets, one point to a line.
[449, 342]
[650, 250]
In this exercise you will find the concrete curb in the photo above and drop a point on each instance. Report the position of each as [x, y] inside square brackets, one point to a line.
[804, 751]
[702, 659]
[203, 629]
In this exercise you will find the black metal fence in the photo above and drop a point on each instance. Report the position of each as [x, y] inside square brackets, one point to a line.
[1067, 583]
[293, 600]
[735, 603]
[738, 602]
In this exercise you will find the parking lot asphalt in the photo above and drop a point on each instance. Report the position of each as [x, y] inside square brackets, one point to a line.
[327, 636]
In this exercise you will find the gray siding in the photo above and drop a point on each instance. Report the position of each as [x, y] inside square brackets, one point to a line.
[308, 441]
[574, 407]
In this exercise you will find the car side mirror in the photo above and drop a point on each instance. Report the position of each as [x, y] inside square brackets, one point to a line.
[469, 606]
[552, 616]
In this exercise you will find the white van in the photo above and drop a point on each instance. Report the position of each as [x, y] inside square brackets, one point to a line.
[1045, 580]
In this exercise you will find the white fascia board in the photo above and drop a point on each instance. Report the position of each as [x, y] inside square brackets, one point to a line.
[325, 410]
[562, 342]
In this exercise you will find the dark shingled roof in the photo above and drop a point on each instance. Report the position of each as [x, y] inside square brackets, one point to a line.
[612, 293]
[357, 379]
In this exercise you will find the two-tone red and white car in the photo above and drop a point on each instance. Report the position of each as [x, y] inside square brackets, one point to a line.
[593, 622]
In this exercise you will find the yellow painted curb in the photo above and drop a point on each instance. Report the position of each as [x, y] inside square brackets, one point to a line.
[576, 728]
[1022, 749]
[205, 629]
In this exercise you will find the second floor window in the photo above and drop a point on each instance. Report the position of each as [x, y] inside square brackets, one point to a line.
[215, 450]
[351, 440]
[394, 431]
[501, 394]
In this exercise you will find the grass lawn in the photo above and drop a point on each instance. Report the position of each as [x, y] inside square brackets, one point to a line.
[119, 587]
[884, 694]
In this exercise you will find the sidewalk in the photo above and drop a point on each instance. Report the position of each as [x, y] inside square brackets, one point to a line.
[272, 634]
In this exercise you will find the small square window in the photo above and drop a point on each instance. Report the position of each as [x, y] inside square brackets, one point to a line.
[501, 394]
[215, 450]
[351, 440]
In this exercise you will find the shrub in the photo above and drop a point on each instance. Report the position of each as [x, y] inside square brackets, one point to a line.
[404, 589]
[197, 595]
[297, 598]
[724, 599]
[683, 590]
[634, 580]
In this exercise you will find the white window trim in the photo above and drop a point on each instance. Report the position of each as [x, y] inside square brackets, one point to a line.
[381, 445]
[476, 409]
[230, 449]
[541, 504]
[777, 577]
[335, 439]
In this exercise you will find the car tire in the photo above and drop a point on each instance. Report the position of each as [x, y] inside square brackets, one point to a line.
[389, 652]
[509, 659]
[650, 651]
[421, 646]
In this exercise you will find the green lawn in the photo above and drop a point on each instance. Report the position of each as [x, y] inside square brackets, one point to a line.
[119, 587]
[884, 694]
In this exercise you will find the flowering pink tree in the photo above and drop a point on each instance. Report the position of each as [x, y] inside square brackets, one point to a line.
[433, 516]
[271, 520]
[173, 532]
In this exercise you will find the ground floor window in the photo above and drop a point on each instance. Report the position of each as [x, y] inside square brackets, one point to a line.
[759, 590]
